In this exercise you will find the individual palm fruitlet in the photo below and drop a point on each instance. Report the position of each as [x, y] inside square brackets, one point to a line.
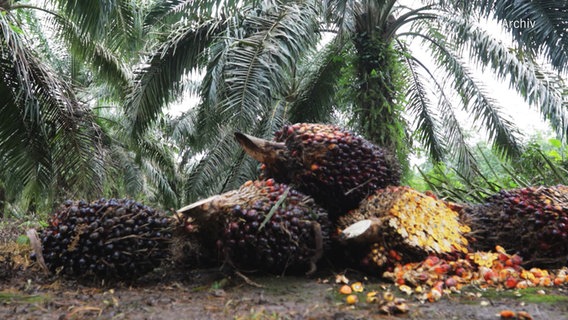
[399, 224]
[532, 222]
[113, 238]
[263, 225]
[334, 166]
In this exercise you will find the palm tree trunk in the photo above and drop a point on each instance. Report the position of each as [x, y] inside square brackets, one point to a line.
[380, 84]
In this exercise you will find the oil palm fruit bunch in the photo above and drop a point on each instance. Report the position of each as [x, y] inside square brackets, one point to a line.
[115, 238]
[532, 222]
[399, 224]
[262, 225]
[334, 166]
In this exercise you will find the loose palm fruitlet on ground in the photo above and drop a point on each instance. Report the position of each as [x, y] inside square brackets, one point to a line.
[106, 238]
[334, 166]
[434, 277]
[263, 225]
[530, 221]
[399, 224]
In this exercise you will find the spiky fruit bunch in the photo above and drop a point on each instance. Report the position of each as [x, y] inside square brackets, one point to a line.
[333, 165]
[402, 224]
[263, 225]
[106, 238]
[530, 221]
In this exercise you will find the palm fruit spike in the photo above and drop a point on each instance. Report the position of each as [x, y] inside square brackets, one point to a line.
[397, 224]
[334, 166]
[121, 239]
[263, 225]
[530, 221]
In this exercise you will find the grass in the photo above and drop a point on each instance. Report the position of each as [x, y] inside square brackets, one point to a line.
[7, 297]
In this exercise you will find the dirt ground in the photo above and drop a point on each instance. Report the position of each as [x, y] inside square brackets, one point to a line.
[27, 293]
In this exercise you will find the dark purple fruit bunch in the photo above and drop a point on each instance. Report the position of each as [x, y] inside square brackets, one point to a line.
[334, 166]
[530, 221]
[263, 225]
[106, 238]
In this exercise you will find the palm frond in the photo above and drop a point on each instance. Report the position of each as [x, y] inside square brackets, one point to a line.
[50, 136]
[224, 165]
[475, 98]
[426, 123]
[168, 11]
[96, 17]
[155, 84]
[101, 59]
[538, 25]
[258, 65]
[250, 65]
[313, 90]
[525, 76]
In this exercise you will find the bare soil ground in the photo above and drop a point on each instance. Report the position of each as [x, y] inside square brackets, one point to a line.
[26, 293]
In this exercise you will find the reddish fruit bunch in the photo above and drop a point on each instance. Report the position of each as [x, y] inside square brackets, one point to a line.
[116, 238]
[531, 221]
[262, 225]
[333, 165]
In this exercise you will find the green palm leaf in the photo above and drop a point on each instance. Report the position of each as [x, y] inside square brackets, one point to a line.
[156, 83]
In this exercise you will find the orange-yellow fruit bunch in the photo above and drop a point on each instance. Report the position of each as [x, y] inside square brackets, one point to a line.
[433, 277]
[412, 225]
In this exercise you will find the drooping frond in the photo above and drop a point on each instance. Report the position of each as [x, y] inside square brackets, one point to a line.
[95, 18]
[46, 136]
[250, 65]
[538, 25]
[476, 100]
[426, 125]
[314, 85]
[224, 165]
[170, 11]
[257, 65]
[524, 75]
[101, 59]
[156, 83]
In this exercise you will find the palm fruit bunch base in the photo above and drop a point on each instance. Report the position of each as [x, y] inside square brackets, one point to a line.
[530, 221]
[334, 166]
[435, 277]
[398, 224]
[263, 225]
[116, 238]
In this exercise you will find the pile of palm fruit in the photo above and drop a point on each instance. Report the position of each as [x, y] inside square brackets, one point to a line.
[320, 185]
[263, 224]
[115, 238]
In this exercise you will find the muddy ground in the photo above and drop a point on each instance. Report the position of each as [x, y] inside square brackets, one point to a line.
[27, 293]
